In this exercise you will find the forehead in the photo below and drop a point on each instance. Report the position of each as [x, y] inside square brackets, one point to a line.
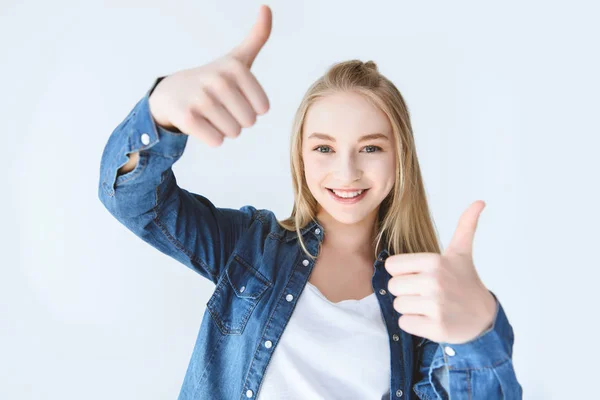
[346, 114]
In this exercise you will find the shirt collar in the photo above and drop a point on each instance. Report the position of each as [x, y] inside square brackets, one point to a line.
[310, 227]
[314, 228]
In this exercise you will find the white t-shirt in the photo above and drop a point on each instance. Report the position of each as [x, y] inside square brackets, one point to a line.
[330, 351]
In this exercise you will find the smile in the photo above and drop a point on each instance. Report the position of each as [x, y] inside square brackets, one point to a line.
[346, 197]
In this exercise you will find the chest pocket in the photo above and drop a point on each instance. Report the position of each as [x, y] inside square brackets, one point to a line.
[236, 295]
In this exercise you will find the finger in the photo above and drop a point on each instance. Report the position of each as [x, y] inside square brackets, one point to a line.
[410, 263]
[229, 96]
[412, 284]
[196, 125]
[418, 325]
[220, 117]
[462, 240]
[417, 305]
[251, 89]
[249, 48]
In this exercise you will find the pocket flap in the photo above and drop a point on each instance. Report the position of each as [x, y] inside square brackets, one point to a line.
[246, 282]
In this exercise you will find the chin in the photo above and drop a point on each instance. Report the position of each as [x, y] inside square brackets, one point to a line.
[347, 217]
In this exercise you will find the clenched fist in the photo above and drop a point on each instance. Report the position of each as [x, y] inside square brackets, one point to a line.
[440, 295]
[215, 100]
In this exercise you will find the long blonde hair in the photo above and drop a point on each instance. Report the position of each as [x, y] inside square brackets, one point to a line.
[404, 223]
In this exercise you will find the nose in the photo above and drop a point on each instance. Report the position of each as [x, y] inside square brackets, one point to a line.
[347, 170]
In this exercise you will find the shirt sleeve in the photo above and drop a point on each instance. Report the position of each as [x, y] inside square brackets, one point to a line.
[149, 202]
[479, 369]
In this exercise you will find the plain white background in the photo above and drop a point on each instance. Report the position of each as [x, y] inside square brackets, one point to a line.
[504, 104]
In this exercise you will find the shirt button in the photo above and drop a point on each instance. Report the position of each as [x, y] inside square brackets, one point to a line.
[242, 289]
[395, 337]
[249, 393]
[382, 291]
[268, 344]
[399, 393]
[305, 263]
[450, 351]
[145, 138]
[289, 297]
[317, 231]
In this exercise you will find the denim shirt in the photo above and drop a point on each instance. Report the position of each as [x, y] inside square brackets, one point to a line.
[259, 271]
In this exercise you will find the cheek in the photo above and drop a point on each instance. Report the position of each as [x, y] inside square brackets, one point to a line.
[315, 168]
[381, 169]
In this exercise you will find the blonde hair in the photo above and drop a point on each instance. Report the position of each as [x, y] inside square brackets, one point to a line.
[404, 223]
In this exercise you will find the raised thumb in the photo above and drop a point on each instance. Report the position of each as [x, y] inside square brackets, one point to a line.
[255, 40]
[464, 235]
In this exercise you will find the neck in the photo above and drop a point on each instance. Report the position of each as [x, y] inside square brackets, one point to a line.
[348, 239]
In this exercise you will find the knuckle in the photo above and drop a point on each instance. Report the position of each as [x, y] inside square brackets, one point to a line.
[189, 117]
[220, 84]
[434, 274]
[435, 285]
[437, 262]
[205, 100]
[436, 269]
[234, 66]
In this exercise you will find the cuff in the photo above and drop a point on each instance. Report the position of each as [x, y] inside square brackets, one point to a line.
[138, 132]
[145, 134]
[490, 348]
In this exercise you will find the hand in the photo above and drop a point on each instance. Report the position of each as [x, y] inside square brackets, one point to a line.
[440, 295]
[215, 100]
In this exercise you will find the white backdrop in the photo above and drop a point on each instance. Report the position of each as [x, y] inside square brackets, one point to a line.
[504, 104]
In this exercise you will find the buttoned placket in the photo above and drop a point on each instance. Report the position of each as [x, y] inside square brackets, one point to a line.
[395, 337]
[289, 297]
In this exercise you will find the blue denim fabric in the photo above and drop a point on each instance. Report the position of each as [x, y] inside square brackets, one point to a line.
[259, 272]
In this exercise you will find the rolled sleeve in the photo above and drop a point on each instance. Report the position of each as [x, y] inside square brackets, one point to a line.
[138, 132]
[492, 347]
[479, 369]
[148, 200]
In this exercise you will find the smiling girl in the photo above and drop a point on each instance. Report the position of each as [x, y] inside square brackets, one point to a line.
[349, 297]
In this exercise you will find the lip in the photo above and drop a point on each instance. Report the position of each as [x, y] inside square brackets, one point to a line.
[348, 201]
[348, 190]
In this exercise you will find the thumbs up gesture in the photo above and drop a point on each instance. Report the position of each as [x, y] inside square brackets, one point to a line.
[440, 295]
[215, 100]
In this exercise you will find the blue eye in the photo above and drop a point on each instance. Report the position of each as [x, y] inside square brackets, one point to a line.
[325, 152]
[375, 147]
[319, 147]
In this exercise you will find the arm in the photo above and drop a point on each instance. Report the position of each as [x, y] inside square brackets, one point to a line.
[479, 369]
[134, 158]
[144, 196]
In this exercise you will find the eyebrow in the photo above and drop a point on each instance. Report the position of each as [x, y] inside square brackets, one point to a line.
[371, 136]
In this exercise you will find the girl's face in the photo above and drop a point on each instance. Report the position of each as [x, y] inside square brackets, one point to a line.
[336, 156]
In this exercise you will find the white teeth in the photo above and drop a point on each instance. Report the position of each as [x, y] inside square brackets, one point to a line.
[348, 194]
